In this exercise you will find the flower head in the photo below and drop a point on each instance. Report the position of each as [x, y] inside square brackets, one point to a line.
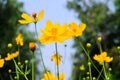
[29, 19]
[19, 39]
[1, 62]
[77, 30]
[11, 56]
[54, 33]
[32, 46]
[56, 58]
[49, 76]
[102, 58]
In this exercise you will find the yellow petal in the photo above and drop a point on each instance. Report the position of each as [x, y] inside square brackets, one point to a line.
[40, 15]
[1, 63]
[27, 17]
[82, 26]
[24, 21]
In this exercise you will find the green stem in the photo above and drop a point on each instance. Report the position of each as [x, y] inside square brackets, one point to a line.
[11, 77]
[40, 50]
[41, 53]
[88, 57]
[99, 74]
[33, 67]
[89, 65]
[57, 60]
[17, 73]
[104, 71]
[18, 70]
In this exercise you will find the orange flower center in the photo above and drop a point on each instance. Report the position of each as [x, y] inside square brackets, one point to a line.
[34, 15]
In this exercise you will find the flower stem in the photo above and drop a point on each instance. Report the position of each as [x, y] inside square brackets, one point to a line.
[40, 50]
[104, 71]
[57, 60]
[33, 67]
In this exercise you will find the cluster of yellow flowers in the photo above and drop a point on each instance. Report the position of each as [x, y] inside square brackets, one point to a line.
[60, 33]
[10, 56]
[102, 57]
[50, 76]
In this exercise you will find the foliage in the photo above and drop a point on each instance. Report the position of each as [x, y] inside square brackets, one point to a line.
[100, 21]
[10, 11]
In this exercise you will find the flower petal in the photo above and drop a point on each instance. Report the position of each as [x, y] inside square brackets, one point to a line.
[40, 15]
[27, 17]
[24, 21]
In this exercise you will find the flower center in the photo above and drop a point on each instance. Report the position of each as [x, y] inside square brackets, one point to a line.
[34, 15]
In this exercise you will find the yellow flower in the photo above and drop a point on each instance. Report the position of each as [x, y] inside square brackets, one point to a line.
[12, 55]
[82, 67]
[54, 33]
[49, 76]
[77, 30]
[61, 76]
[56, 58]
[102, 57]
[19, 39]
[29, 19]
[1, 62]
[32, 46]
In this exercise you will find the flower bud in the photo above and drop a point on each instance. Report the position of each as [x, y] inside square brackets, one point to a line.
[32, 46]
[9, 45]
[88, 45]
[34, 15]
[99, 38]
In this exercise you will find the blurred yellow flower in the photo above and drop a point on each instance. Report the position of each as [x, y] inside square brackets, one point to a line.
[76, 30]
[49, 76]
[29, 19]
[12, 55]
[82, 67]
[102, 58]
[1, 62]
[61, 76]
[54, 33]
[19, 39]
[56, 58]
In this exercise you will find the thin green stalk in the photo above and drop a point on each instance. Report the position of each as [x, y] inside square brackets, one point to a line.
[89, 65]
[18, 69]
[11, 77]
[41, 53]
[17, 73]
[99, 74]
[88, 57]
[104, 71]
[33, 67]
[57, 60]
[40, 50]
[19, 52]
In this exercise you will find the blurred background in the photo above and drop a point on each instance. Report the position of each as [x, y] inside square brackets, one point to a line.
[101, 17]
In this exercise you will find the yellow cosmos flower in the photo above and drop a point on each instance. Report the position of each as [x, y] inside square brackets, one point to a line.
[54, 33]
[11, 56]
[29, 19]
[49, 76]
[1, 62]
[102, 58]
[19, 39]
[61, 76]
[77, 30]
[56, 58]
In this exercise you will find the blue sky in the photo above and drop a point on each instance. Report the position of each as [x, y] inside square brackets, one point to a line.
[56, 11]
